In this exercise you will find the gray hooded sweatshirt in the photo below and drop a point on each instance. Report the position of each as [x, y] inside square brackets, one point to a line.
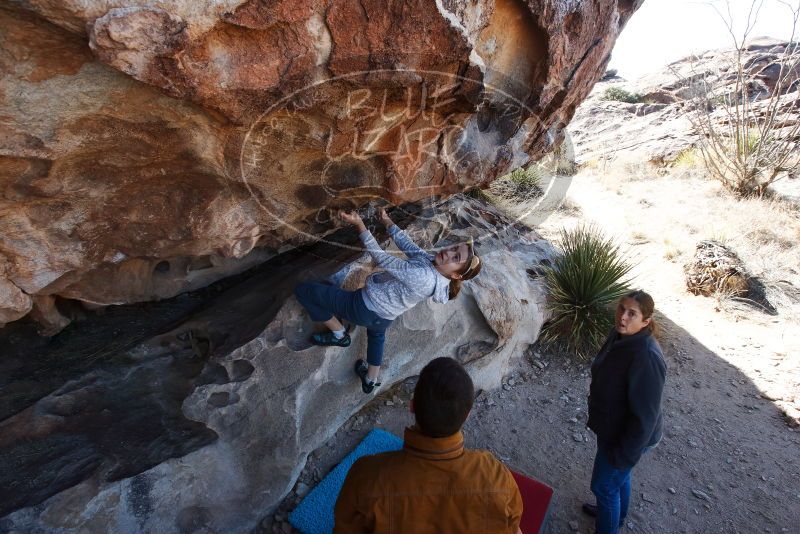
[402, 283]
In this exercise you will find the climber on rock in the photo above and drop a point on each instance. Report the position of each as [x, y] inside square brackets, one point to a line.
[397, 287]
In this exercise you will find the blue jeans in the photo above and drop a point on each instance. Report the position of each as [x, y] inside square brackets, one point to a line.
[324, 301]
[612, 489]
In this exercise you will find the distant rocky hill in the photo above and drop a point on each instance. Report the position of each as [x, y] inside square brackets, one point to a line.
[656, 128]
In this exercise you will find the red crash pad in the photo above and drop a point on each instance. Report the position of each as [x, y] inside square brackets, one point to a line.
[536, 498]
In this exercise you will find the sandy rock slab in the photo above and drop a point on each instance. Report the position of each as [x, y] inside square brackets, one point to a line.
[202, 414]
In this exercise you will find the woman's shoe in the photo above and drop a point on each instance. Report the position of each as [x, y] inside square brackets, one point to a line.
[591, 511]
[367, 385]
[327, 339]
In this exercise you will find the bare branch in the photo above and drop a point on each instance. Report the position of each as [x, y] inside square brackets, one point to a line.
[746, 140]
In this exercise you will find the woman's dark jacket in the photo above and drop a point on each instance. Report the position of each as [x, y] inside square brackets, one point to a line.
[625, 396]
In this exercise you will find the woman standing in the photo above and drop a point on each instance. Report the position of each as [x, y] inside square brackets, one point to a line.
[398, 287]
[624, 407]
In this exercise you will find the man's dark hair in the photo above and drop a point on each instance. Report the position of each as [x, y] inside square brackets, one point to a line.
[443, 398]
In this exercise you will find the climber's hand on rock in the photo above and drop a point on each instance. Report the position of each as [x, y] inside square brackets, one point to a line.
[385, 219]
[350, 217]
[353, 218]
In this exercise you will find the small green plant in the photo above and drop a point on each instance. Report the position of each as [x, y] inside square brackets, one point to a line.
[721, 100]
[584, 283]
[689, 158]
[479, 194]
[749, 141]
[528, 181]
[621, 95]
[564, 156]
[520, 184]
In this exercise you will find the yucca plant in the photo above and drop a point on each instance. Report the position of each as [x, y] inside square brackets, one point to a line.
[584, 283]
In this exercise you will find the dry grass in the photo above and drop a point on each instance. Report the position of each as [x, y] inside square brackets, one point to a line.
[673, 212]
[677, 210]
[569, 208]
[666, 215]
[691, 158]
[638, 238]
[639, 171]
[590, 165]
[764, 233]
[672, 252]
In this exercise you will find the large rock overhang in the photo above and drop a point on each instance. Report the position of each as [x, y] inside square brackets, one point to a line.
[150, 148]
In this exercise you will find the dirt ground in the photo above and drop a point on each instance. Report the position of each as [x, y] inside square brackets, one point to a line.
[730, 459]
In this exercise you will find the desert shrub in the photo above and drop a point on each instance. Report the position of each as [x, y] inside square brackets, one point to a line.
[689, 158]
[520, 185]
[621, 95]
[528, 182]
[591, 164]
[745, 142]
[584, 283]
[564, 157]
[479, 194]
[744, 162]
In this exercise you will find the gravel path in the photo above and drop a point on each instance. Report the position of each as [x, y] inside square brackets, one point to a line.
[728, 461]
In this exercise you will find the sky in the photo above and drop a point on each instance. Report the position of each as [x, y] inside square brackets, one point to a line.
[662, 31]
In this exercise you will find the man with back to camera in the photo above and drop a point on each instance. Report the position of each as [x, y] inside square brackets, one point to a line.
[434, 484]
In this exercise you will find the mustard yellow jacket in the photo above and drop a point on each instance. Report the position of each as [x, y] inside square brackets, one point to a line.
[433, 485]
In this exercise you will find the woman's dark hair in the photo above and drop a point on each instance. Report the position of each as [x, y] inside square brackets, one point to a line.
[472, 268]
[647, 307]
[443, 398]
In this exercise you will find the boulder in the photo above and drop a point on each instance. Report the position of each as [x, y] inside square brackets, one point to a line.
[760, 43]
[204, 420]
[16, 303]
[609, 75]
[659, 97]
[757, 62]
[47, 315]
[646, 109]
[151, 148]
[717, 270]
[785, 72]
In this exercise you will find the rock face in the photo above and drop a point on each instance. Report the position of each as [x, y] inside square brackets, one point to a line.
[150, 148]
[208, 425]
